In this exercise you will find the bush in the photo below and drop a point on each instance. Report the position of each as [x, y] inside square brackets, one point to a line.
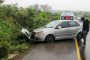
[19, 48]
[4, 49]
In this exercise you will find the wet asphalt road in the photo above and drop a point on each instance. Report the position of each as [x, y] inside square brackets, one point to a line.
[59, 50]
[87, 49]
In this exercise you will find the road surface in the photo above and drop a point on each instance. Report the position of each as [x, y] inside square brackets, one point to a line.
[87, 49]
[59, 50]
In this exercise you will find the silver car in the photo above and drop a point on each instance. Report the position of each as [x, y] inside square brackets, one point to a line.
[55, 30]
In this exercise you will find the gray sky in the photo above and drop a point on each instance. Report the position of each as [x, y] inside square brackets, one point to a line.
[81, 5]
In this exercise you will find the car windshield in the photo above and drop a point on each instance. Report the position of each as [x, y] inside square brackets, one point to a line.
[52, 24]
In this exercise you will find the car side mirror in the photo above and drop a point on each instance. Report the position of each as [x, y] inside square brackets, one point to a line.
[59, 27]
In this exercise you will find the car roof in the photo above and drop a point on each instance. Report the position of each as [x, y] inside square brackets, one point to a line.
[69, 20]
[67, 13]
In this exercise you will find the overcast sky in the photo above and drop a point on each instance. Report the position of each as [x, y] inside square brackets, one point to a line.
[81, 5]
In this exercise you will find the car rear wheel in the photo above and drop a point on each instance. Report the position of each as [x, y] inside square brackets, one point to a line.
[79, 36]
[50, 38]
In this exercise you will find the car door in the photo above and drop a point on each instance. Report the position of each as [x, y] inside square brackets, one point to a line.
[72, 28]
[63, 32]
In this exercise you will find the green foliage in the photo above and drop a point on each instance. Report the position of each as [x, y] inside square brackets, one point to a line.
[56, 16]
[87, 17]
[5, 28]
[4, 49]
[12, 19]
[1, 1]
[19, 48]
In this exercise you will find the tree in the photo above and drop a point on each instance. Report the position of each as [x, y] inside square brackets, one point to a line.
[37, 7]
[46, 7]
[1, 1]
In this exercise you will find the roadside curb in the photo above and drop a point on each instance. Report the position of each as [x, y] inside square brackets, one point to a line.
[13, 56]
[20, 55]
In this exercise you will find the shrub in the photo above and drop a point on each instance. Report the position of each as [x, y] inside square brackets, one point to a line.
[4, 49]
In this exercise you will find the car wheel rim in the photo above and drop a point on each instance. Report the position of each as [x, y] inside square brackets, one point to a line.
[50, 39]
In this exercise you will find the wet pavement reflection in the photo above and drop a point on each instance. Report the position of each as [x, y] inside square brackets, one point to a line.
[82, 49]
[82, 53]
[85, 50]
[59, 50]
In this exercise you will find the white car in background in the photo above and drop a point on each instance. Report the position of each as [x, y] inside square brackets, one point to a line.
[67, 15]
[55, 30]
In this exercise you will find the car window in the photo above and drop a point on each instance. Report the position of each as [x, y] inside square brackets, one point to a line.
[72, 24]
[64, 24]
[52, 24]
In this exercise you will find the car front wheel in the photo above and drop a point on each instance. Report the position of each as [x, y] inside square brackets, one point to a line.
[50, 38]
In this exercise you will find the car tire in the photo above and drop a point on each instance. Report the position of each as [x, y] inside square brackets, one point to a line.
[79, 36]
[50, 38]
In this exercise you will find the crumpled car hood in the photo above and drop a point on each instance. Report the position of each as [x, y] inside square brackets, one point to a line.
[42, 29]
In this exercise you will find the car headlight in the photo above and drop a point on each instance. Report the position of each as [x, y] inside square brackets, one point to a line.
[40, 33]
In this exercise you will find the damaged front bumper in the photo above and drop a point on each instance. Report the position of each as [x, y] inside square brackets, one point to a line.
[32, 35]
